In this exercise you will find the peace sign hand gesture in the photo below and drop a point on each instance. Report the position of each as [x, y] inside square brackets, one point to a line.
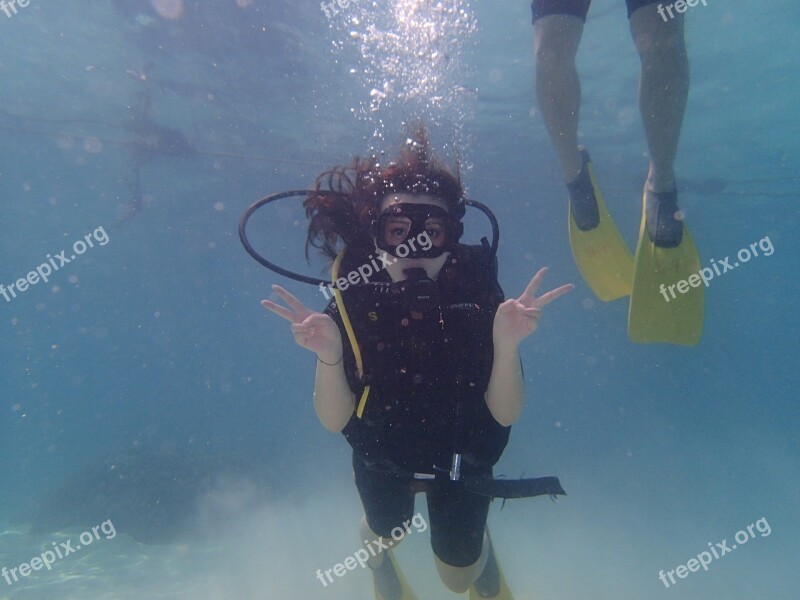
[516, 319]
[313, 330]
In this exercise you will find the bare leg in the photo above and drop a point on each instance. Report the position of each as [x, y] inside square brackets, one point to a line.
[370, 536]
[382, 571]
[558, 87]
[663, 90]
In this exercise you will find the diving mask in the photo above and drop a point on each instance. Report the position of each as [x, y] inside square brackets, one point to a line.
[408, 230]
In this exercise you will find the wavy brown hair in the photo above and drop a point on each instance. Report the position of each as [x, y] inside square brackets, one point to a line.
[347, 216]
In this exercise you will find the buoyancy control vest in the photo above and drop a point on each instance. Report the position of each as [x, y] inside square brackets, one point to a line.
[427, 358]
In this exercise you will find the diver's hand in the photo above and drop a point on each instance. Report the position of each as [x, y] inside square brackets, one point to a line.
[517, 319]
[313, 330]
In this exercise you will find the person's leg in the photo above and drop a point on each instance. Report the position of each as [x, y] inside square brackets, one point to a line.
[558, 26]
[384, 575]
[374, 543]
[483, 575]
[665, 250]
[458, 524]
[459, 579]
[598, 247]
[388, 503]
[488, 584]
[663, 88]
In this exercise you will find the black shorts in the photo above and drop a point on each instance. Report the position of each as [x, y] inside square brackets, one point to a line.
[577, 8]
[457, 517]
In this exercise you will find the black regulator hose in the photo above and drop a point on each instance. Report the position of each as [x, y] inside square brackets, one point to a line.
[492, 219]
[252, 251]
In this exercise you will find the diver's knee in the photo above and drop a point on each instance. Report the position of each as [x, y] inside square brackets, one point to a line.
[668, 51]
[365, 529]
[656, 40]
[379, 545]
[556, 41]
[671, 64]
[370, 538]
[459, 579]
[456, 579]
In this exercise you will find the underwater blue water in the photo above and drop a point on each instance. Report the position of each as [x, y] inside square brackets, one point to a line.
[156, 340]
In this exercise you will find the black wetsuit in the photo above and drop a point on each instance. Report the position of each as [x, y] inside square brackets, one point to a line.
[428, 372]
[577, 8]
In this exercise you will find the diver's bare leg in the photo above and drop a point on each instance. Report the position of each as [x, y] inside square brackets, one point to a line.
[370, 536]
[383, 573]
[556, 40]
[663, 89]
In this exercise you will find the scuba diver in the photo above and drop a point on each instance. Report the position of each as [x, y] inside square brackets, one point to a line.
[665, 250]
[417, 360]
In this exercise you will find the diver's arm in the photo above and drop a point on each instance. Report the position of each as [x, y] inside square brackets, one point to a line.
[514, 320]
[505, 395]
[334, 401]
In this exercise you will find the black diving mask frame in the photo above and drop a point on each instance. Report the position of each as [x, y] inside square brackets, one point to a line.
[453, 231]
[415, 226]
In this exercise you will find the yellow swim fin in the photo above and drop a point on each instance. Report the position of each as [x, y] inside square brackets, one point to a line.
[407, 592]
[600, 252]
[665, 307]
